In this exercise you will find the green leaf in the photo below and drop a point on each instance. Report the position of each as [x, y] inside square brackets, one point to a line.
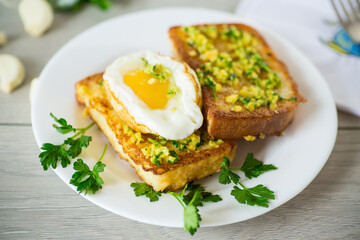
[258, 195]
[254, 168]
[75, 5]
[76, 145]
[102, 4]
[85, 179]
[263, 191]
[51, 154]
[64, 126]
[209, 197]
[99, 167]
[191, 215]
[191, 219]
[141, 189]
[226, 175]
[193, 189]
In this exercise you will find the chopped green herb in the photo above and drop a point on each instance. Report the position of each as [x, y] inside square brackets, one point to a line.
[175, 143]
[158, 71]
[171, 92]
[154, 142]
[174, 154]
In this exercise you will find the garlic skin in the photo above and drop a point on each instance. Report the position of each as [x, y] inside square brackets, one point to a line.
[2, 39]
[37, 16]
[12, 72]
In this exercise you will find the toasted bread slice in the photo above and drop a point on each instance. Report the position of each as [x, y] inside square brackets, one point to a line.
[191, 164]
[231, 108]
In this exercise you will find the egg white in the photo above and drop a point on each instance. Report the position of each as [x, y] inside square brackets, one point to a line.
[169, 123]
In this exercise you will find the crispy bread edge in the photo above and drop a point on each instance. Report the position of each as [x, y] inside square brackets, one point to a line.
[231, 125]
[203, 165]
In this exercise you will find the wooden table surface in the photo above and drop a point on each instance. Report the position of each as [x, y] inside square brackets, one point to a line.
[37, 205]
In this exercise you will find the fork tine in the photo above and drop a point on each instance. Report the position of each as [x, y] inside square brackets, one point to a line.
[355, 13]
[345, 10]
[337, 12]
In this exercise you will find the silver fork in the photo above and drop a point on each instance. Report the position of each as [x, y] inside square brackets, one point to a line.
[352, 23]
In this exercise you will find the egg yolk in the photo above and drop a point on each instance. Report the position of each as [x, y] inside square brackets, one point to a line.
[151, 91]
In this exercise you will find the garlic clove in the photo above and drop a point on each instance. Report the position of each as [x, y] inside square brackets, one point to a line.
[12, 72]
[36, 15]
[2, 38]
[33, 86]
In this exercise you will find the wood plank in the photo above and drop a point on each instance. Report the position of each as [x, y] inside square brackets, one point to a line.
[35, 204]
[347, 120]
[36, 52]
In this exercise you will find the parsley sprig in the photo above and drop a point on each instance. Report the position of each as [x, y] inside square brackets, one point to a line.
[71, 147]
[190, 201]
[141, 189]
[85, 179]
[75, 5]
[258, 195]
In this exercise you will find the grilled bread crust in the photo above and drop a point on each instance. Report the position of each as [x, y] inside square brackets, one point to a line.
[221, 121]
[191, 166]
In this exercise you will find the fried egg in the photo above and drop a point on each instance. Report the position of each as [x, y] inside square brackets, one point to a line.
[156, 94]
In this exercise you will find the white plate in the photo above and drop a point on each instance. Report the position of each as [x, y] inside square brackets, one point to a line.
[299, 155]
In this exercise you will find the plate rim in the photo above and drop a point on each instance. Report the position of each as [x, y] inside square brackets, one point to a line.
[210, 11]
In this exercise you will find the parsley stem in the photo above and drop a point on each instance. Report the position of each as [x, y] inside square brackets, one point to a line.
[103, 154]
[242, 185]
[82, 130]
[175, 196]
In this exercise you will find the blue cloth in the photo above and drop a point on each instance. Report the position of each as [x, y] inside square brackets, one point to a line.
[344, 41]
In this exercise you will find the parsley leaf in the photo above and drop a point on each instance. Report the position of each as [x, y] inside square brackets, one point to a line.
[204, 196]
[191, 215]
[76, 145]
[258, 195]
[226, 175]
[253, 167]
[64, 126]
[194, 198]
[85, 179]
[52, 154]
[141, 189]
[75, 5]
[71, 147]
